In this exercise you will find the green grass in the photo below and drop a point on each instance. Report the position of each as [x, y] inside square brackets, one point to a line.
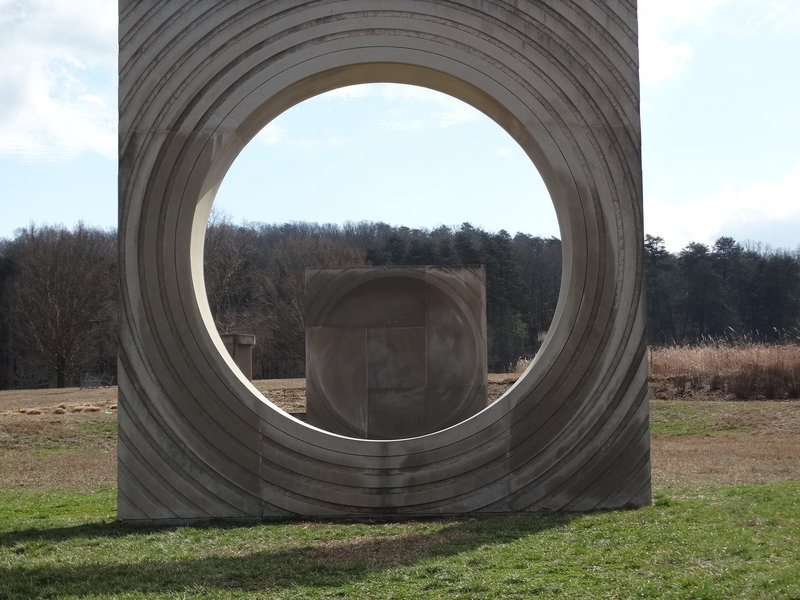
[678, 417]
[22, 509]
[692, 543]
[101, 428]
[721, 543]
[55, 449]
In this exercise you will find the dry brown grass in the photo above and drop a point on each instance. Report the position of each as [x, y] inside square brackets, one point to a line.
[290, 394]
[50, 399]
[81, 470]
[714, 459]
[751, 442]
[51, 450]
[743, 372]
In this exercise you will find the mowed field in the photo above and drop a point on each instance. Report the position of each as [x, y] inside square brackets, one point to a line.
[724, 524]
[66, 439]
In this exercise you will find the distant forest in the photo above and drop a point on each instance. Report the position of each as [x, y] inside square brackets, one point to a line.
[58, 294]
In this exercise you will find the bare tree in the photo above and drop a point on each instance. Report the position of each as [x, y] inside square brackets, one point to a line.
[229, 270]
[61, 296]
[284, 298]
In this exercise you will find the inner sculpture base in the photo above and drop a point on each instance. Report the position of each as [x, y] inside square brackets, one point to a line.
[394, 352]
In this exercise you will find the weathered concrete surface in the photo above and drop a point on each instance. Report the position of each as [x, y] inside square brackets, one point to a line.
[240, 347]
[198, 80]
[394, 352]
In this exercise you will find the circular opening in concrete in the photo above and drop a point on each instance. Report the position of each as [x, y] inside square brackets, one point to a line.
[395, 153]
[379, 174]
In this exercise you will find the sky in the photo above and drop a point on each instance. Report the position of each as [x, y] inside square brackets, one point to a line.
[720, 127]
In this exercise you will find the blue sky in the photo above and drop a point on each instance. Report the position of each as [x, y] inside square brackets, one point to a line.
[720, 119]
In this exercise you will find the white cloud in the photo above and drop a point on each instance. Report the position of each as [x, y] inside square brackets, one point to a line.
[271, 134]
[403, 92]
[57, 78]
[434, 109]
[663, 28]
[326, 140]
[455, 112]
[744, 212]
[660, 60]
[672, 14]
[662, 56]
[404, 120]
[274, 133]
[406, 107]
[777, 17]
[350, 92]
[422, 109]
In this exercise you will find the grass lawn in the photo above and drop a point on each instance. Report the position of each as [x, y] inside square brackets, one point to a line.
[725, 523]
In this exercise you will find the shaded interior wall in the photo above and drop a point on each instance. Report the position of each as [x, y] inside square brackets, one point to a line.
[394, 352]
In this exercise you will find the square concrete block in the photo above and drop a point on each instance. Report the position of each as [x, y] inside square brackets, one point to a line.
[396, 358]
[394, 352]
[240, 347]
[347, 377]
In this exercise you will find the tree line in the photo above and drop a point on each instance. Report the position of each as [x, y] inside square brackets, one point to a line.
[58, 291]
[255, 280]
[725, 292]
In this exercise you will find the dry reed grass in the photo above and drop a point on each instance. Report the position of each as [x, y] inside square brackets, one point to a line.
[522, 363]
[752, 442]
[745, 372]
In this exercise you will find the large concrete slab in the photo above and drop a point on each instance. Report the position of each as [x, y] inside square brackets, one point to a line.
[394, 352]
[197, 82]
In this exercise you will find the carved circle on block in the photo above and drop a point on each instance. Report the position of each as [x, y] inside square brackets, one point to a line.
[394, 352]
[197, 82]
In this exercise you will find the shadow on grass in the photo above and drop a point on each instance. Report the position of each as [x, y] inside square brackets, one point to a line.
[318, 563]
[91, 530]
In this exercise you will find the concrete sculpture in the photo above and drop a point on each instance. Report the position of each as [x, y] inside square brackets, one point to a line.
[394, 352]
[240, 347]
[199, 79]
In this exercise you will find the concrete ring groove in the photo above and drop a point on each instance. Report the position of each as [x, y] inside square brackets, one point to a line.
[197, 82]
